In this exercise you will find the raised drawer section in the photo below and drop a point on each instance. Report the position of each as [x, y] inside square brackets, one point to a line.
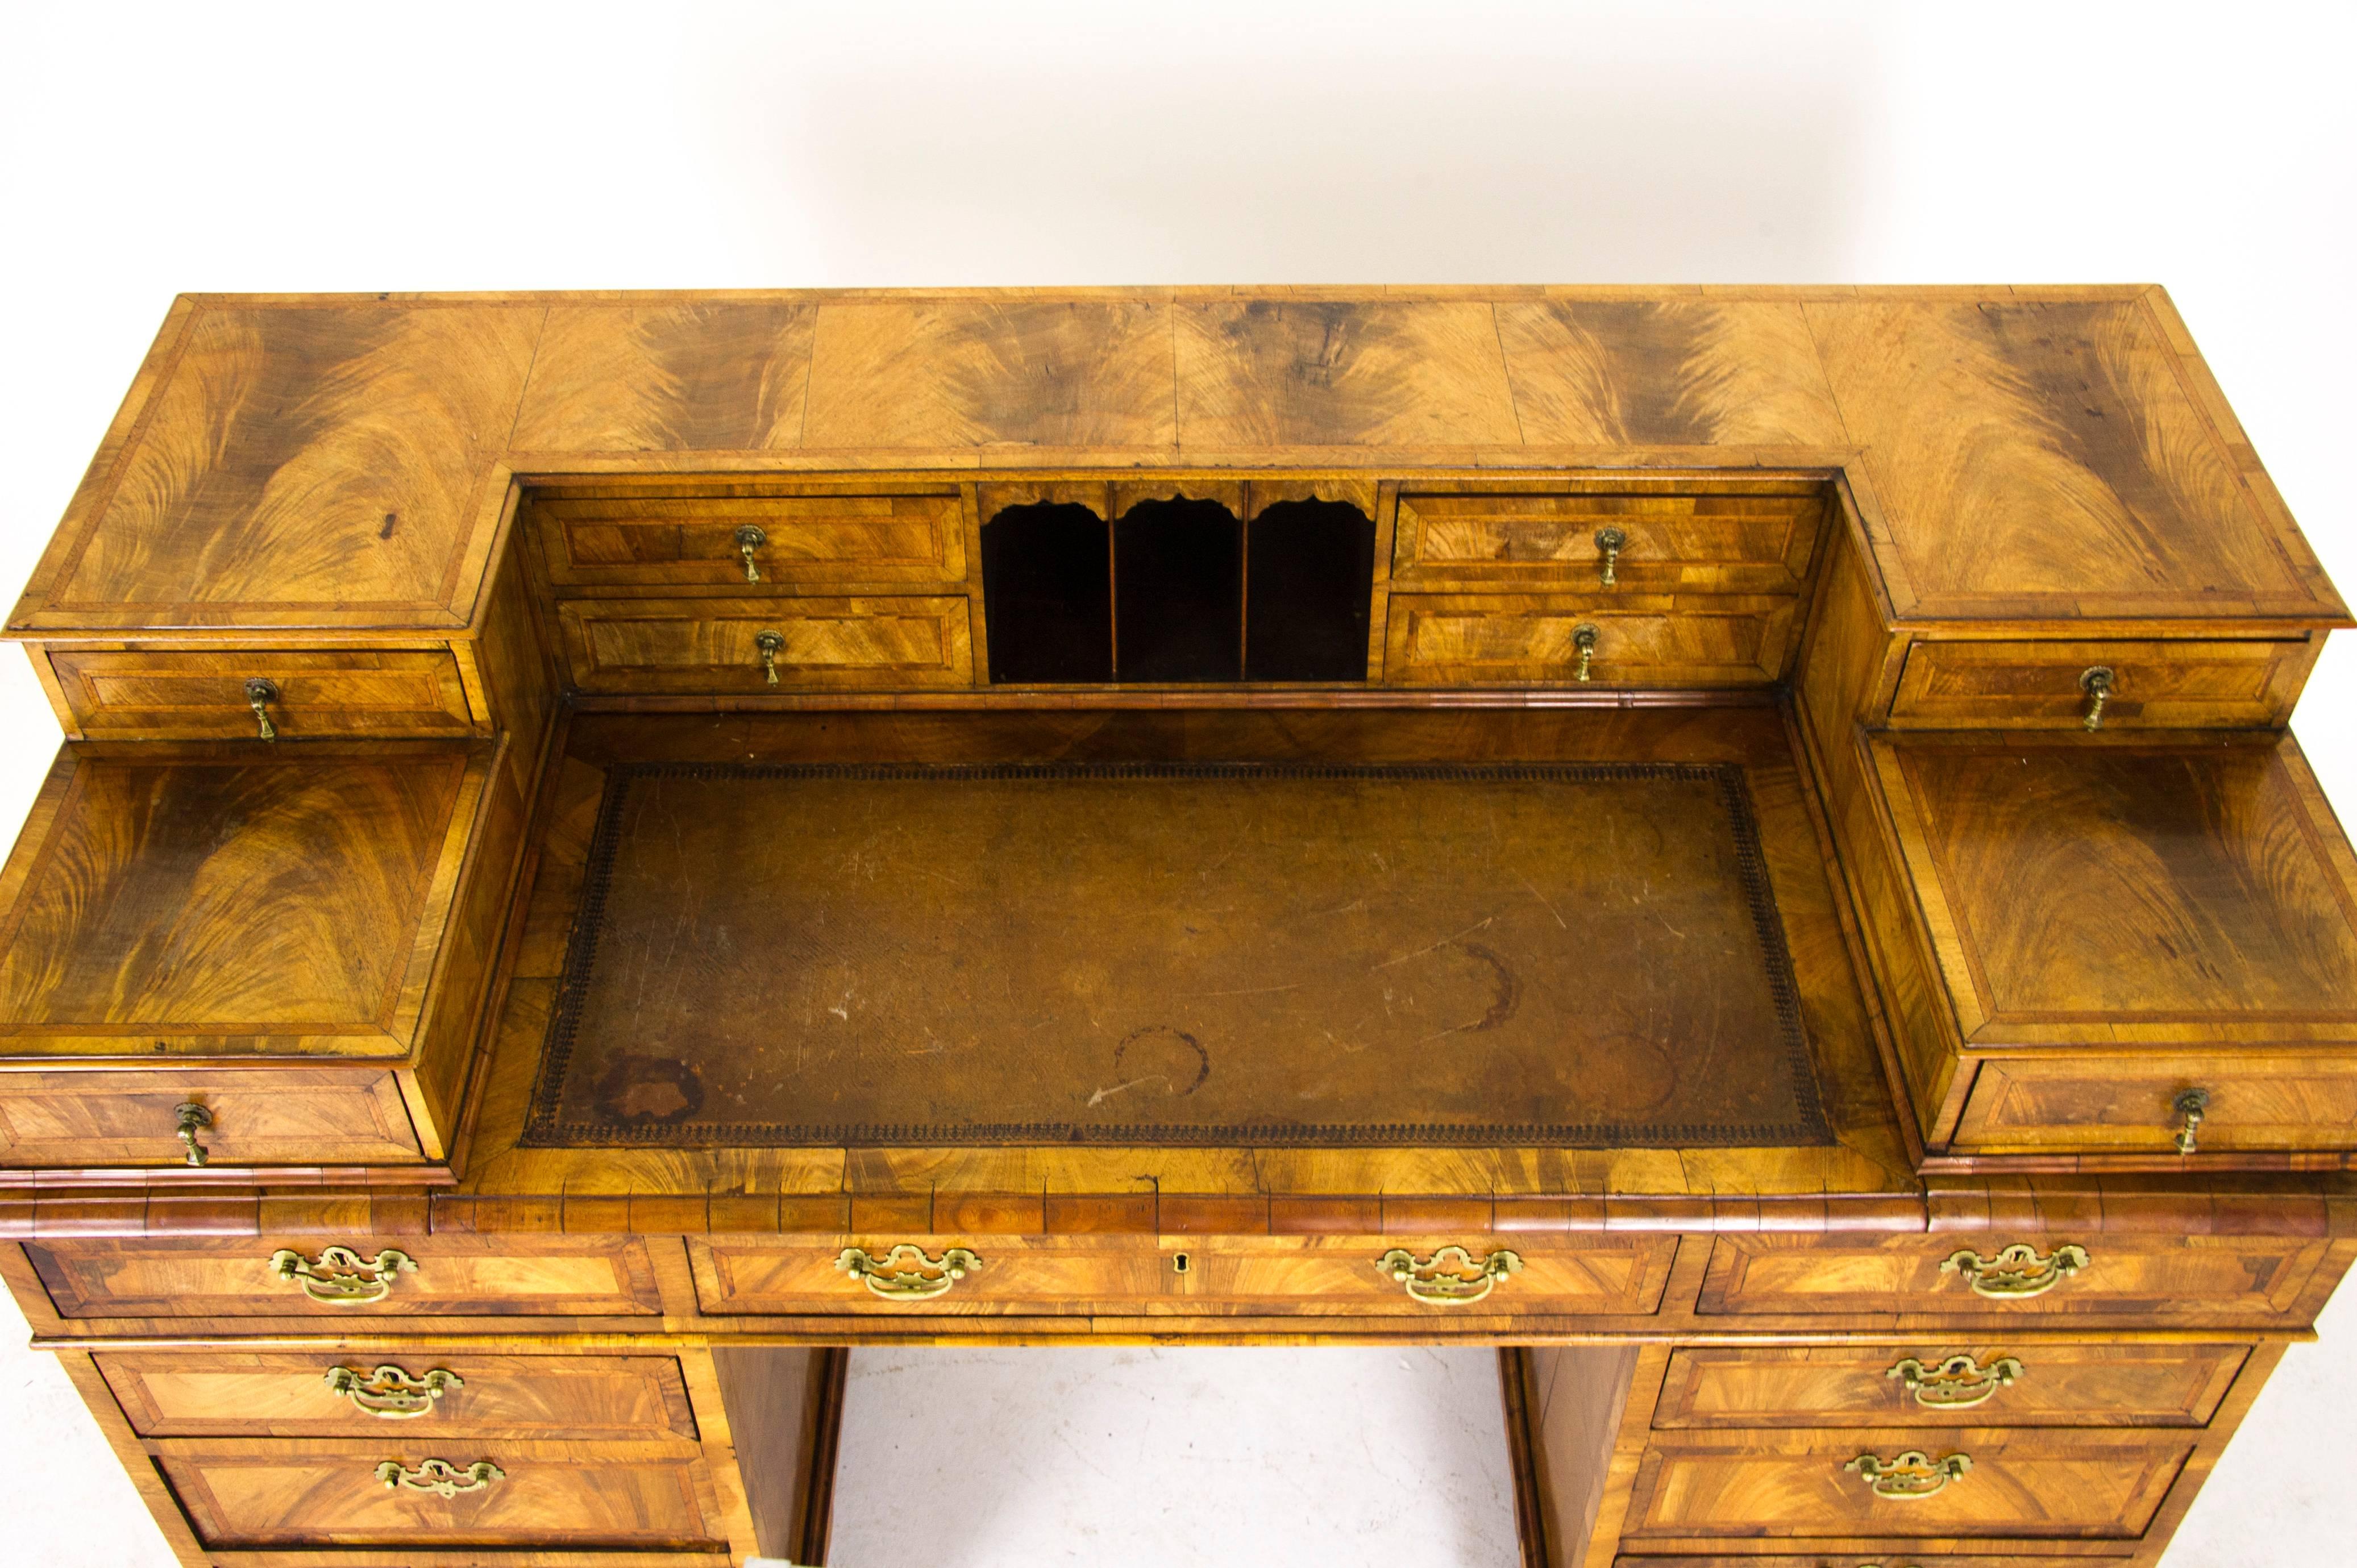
[141, 694]
[717, 645]
[1718, 543]
[1796, 1485]
[2131, 1105]
[2196, 1280]
[552, 1495]
[2192, 683]
[1331, 1276]
[452, 1276]
[1640, 640]
[267, 1116]
[804, 541]
[228, 1393]
[2012, 1385]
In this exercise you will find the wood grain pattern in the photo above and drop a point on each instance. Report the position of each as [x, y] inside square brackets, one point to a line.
[712, 375]
[2060, 1385]
[2058, 439]
[1645, 640]
[815, 541]
[1577, 1396]
[261, 1116]
[321, 466]
[709, 645]
[1341, 373]
[1675, 542]
[981, 371]
[150, 694]
[230, 1277]
[785, 1414]
[1666, 372]
[324, 1492]
[245, 1393]
[1792, 1485]
[2182, 683]
[2128, 1104]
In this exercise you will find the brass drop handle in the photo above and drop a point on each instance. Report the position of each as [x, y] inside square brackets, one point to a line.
[889, 1277]
[390, 1392]
[1583, 637]
[1452, 1277]
[771, 645]
[2097, 682]
[439, 1477]
[2018, 1271]
[341, 1277]
[1958, 1382]
[2192, 1105]
[260, 694]
[1610, 542]
[1910, 1477]
[193, 1118]
[749, 539]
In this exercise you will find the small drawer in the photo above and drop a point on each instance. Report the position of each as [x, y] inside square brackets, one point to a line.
[136, 694]
[2139, 1105]
[436, 1393]
[733, 646]
[1805, 1483]
[1656, 543]
[262, 1116]
[558, 1496]
[2150, 685]
[1974, 1274]
[926, 1275]
[752, 544]
[1473, 639]
[1940, 1383]
[425, 1276]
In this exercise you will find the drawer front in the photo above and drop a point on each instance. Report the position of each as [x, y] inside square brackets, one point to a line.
[1607, 1277]
[714, 645]
[1798, 1485]
[1492, 639]
[269, 1116]
[452, 1276]
[1914, 1559]
[2197, 1280]
[2131, 1106]
[135, 696]
[1968, 685]
[1742, 544]
[804, 542]
[995, 1277]
[262, 1493]
[2010, 1385]
[223, 1393]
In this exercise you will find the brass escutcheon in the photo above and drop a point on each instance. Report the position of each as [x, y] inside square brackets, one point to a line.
[259, 695]
[341, 1277]
[749, 539]
[771, 645]
[2192, 1105]
[193, 1119]
[1610, 542]
[390, 1392]
[1583, 637]
[1913, 1475]
[440, 1477]
[1450, 1277]
[2097, 682]
[2017, 1271]
[888, 1276]
[1959, 1382]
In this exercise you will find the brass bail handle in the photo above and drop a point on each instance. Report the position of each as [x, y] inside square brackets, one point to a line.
[771, 645]
[2192, 1105]
[1583, 637]
[193, 1118]
[1610, 542]
[749, 539]
[2098, 683]
[260, 694]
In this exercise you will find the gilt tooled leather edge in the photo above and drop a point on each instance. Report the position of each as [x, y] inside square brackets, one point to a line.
[543, 1129]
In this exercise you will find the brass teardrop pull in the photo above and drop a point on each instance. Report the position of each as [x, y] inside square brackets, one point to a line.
[2097, 683]
[1610, 542]
[193, 1119]
[2192, 1105]
[1583, 637]
[771, 645]
[260, 694]
[749, 539]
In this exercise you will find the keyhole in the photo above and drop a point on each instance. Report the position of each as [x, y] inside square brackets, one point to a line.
[1179, 1264]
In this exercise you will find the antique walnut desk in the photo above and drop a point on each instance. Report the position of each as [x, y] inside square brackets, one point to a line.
[1739, 845]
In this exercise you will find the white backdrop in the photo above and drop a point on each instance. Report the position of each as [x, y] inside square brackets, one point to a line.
[481, 145]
